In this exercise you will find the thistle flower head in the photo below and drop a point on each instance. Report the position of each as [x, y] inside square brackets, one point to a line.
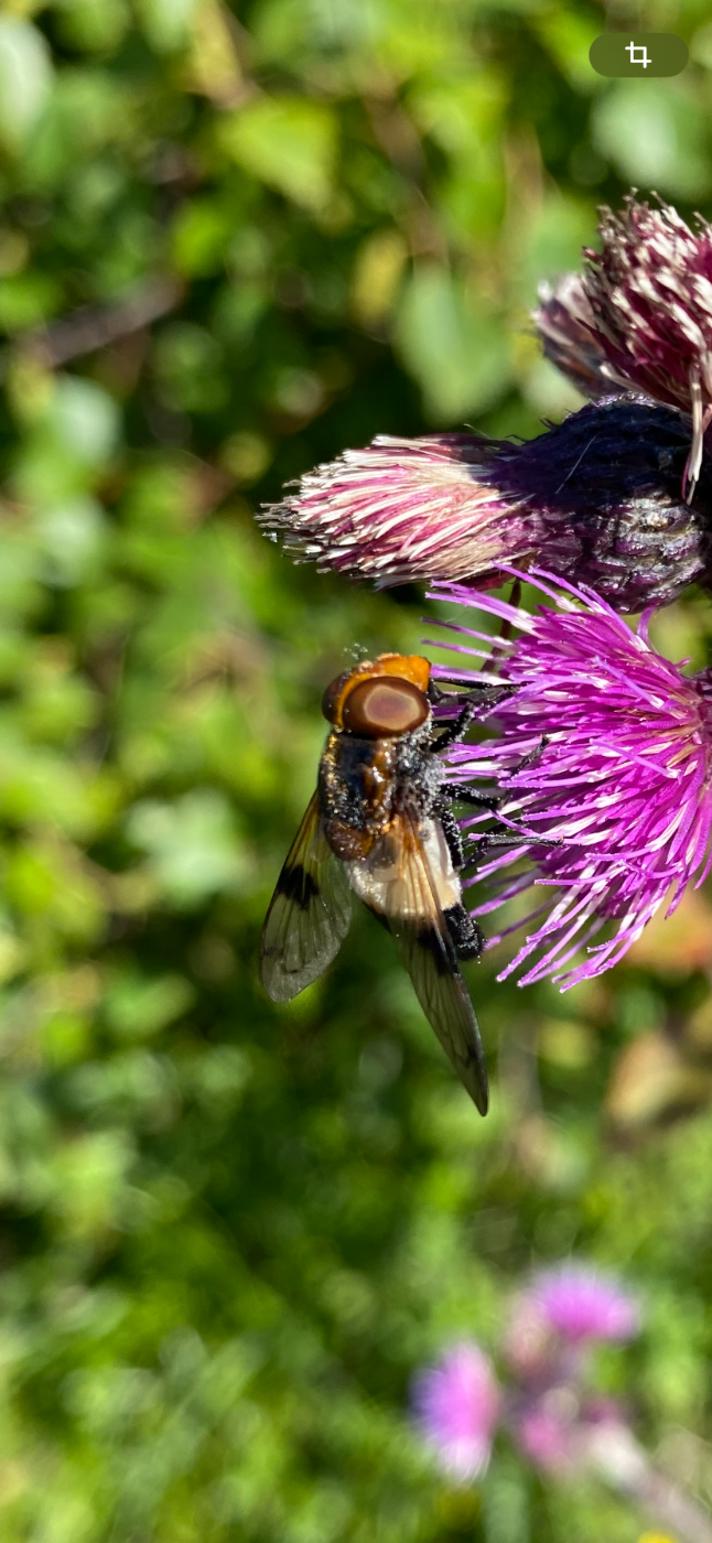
[598, 498]
[580, 1304]
[619, 775]
[404, 509]
[560, 1314]
[457, 1406]
[641, 313]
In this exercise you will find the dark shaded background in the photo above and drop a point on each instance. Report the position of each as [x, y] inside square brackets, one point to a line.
[230, 1233]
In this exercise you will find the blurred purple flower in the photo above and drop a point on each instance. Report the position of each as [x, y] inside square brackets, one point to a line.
[544, 1400]
[641, 313]
[561, 1313]
[558, 1427]
[561, 1427]
[545, 1429]
[457, 1406]
[581, 1304]
[598, 498]
[620, 773]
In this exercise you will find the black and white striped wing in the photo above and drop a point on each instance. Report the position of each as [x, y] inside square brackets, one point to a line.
[408, 885]
[309, 913]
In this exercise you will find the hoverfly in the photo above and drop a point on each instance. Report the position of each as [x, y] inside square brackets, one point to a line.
[380, 826]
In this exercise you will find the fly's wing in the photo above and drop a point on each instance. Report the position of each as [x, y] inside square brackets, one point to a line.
[309, 913]
[401, 886]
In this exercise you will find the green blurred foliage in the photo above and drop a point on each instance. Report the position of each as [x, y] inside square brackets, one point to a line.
[233, 241]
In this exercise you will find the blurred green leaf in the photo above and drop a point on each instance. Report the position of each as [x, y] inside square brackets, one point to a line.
[191, 844]
[25, 79]
[83, 420]
[74, 538]
[660, 140]
[456, 353]
[166, 23]
[288, 142]
[137, 1006]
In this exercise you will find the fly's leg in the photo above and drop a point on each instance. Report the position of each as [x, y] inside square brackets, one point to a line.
[529, 759]
[455, 839]
[481, 845]
[480, 697]
[456, 729]
[464, 795]
[460, 795]
[466, 933]
[452, 834]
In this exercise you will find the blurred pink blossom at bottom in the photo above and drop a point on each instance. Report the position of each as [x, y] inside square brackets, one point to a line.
[457, 1405]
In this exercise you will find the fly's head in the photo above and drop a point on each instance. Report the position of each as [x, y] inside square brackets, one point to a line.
[383, 699]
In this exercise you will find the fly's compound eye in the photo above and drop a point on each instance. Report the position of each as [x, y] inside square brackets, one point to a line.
[382, 706]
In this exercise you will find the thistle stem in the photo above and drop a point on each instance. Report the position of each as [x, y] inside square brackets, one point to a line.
[624, 1465]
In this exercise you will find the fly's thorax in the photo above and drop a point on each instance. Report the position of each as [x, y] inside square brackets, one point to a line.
[418, 772]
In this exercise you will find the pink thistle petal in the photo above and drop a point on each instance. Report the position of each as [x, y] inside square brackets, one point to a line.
[457, 1405]
[404, 509]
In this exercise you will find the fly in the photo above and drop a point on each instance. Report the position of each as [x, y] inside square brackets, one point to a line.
[380, 826]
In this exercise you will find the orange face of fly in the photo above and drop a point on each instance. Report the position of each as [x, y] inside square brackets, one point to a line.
[380, 698]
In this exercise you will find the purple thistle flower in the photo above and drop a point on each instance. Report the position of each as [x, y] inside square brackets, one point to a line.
[555, 1429]
[641, 313]
[620, 774]
[598, 497]
[457, 1406]
[561, 1425]
[545, 1430]
[580, 1304]
[562, 1312]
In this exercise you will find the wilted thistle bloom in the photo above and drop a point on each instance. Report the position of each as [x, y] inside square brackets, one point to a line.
[457, 1406]
[599, 498]
[640, 314]
[619, 776]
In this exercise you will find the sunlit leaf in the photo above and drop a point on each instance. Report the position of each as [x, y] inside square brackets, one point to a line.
[25, 79]
[287, 142]
[453, 348]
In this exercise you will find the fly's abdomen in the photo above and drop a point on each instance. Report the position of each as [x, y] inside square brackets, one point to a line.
[356, 790]
[384, 881]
